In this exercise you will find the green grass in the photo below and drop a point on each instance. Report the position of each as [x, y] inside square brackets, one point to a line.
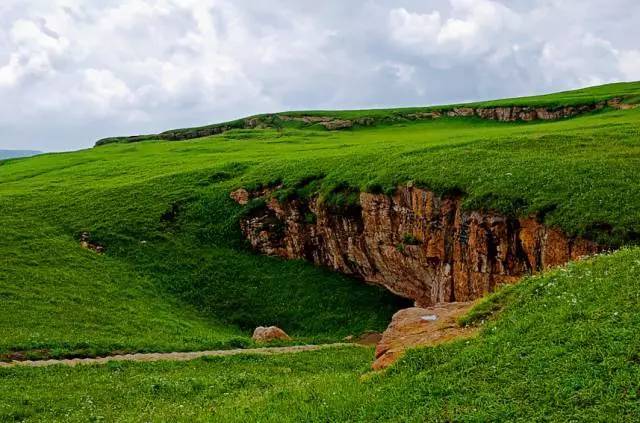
[564, 348]
[161, 287]
[574, 173]
[177, 274]
[628, 92]
[623, 90]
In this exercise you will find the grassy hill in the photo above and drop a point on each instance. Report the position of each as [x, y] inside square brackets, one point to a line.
[564, 348]
[177, 275]
[626, 92]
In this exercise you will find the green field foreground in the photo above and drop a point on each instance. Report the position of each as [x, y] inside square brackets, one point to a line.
[176, 275]
[564, 348]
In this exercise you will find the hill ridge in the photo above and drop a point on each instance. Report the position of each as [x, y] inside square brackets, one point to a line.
[545, 107]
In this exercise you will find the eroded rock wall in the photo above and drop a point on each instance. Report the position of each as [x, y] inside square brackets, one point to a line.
[527, 114]
[503, 113]
[414, 243]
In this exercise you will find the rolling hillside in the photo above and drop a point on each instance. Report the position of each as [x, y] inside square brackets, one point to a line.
[628, 93]
[564, 348]
[175, 273]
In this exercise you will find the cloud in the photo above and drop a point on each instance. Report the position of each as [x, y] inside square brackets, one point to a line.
[506, 43]
[34, 51]
[472, 28]
[630, 64]
[84, 69]
[415, 29]
[106, 91]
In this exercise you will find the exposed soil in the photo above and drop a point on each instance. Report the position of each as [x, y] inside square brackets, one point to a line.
[421, 327]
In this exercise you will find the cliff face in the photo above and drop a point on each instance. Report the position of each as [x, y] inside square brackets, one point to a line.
[414, 243]
[517, 113]
[503, 114]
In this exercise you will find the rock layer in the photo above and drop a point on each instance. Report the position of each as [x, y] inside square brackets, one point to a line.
[420, 327]
[415, 243]
[527, 114]
[332, 123]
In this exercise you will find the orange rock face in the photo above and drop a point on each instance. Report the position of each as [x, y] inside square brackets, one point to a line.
[414, 327]
[414, 243]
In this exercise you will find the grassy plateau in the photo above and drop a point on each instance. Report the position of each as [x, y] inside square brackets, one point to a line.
[176, 275]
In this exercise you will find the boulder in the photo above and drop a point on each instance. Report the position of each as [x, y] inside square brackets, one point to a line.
[271, 333]
[415, 326]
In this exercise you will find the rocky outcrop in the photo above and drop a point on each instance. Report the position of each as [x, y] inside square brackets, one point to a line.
[527, 114]
[332, 123]
[501, 113]
[329, 123]
[414, 243]
[88, 244]
[270, 333]
[420, 327]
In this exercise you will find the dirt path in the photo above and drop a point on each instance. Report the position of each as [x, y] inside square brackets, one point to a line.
[174, 356]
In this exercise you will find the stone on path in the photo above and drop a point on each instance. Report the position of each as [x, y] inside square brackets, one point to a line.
[271, 333]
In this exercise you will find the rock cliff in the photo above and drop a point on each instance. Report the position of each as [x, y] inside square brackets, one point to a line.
[414, 243]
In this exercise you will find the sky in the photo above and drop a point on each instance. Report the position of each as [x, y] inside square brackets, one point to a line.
[74, 71]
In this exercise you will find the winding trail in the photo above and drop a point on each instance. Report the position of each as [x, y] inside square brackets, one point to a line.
[174, 356]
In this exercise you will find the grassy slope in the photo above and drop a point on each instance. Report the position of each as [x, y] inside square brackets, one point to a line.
[163, 285]
[629, 92]
[565, 348]
[581, 174]
[575, 172]
[65, 300]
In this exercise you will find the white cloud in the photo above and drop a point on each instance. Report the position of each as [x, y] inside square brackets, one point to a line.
[471, 29]
[506, 43]
[84, 69]
[11, 72]
[106, 91]
[415, 28]
[583, 58]
[630, 64]
[34, 51]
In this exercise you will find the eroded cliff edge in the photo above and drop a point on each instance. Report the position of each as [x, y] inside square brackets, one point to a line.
[414, 243]
[511, 113]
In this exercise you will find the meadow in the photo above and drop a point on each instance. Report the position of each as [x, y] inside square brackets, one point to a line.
[564, 347]
[163, 212]
[176, 275]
